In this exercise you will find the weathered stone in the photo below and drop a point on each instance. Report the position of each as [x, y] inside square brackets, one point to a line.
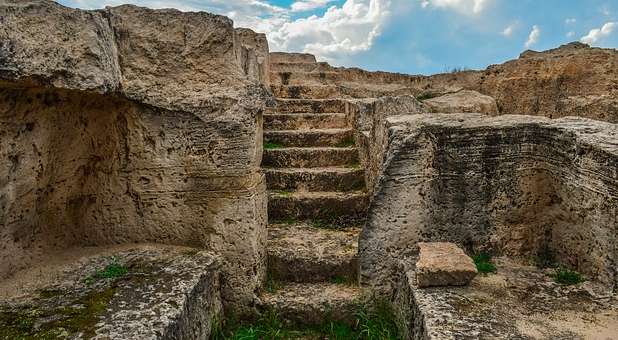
[519, 302]
[151, 292]
[328, 205]
[464, 101]
[529, 188]
[131, 125]
[302, 253]
[314, 304]
[443, 264]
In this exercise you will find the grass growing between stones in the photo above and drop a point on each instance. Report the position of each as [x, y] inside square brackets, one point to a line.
[567, 277]
[346, 143]
[272, 145]
[375, 323]
[484, 263]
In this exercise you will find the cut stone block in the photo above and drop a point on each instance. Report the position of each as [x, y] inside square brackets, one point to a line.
[443, 264]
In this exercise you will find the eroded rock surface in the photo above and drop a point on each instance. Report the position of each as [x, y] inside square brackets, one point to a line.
[131, 125]
[519, 302]
[122, 292]
[530, 188]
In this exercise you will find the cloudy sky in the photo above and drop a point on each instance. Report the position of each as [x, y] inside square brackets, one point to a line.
[411, 36]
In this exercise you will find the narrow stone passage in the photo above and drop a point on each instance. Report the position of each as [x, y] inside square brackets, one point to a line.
[317, 201]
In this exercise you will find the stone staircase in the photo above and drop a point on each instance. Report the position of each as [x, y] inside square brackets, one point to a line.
[317, 203]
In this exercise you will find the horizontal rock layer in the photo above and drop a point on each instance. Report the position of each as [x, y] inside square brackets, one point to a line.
[529, 188]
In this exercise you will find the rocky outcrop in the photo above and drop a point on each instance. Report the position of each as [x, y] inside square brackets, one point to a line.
[572, 80]
[131, 125]
[528, 188]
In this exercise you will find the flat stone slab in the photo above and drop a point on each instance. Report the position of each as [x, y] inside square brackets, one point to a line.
[518, 302]
[314, 304]
[443, 264]
[302, 253]
[121, 292]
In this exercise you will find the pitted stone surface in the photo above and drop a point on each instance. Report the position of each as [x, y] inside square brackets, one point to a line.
[127, 125]
[519, 302]
[166, 293]
[302, 253]
[443, 264]
[523, 187]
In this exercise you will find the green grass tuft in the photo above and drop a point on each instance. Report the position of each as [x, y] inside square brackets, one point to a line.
[484, 263]
[375, 323]
[567, 277]
[113, 270]
[272, 145]
[346, 143]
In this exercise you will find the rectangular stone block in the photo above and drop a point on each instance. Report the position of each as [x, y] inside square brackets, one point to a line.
[443, 264]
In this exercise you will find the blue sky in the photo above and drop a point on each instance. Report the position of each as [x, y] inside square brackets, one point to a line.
[411, 36]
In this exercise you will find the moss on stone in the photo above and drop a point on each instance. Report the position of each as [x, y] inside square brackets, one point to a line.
[20, 324]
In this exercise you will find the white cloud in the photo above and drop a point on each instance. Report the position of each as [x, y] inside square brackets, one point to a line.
[508, 31]
[599, 33]
[534, 36]
[348, 29]
[307, 5]
[464, 6]
[570, 21]
[570, 34]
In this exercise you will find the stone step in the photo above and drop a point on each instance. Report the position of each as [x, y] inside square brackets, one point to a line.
[285, 105]
[322, 206]
[315, 179]
[305, 121]
[309, 157]
[301, 77]
[301, 253]
[308, 138]
[317, 91]
[313, 304]
[281, 68]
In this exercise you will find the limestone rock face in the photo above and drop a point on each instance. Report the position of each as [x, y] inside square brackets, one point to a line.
[573, 80]
[533, 189]
[464, 101]
[443, 264]
[131, 125]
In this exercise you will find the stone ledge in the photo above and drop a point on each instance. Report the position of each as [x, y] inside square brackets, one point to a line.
[519, 302]
[122, 292]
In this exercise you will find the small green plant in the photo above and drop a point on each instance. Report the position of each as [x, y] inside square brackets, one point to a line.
[272, 284]
[113, 270]
[377, 322]
[348, 142]
[272, 145]
[484, 263]
[372, 323]
[567, 277]
[342, 280]
[284, 193]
